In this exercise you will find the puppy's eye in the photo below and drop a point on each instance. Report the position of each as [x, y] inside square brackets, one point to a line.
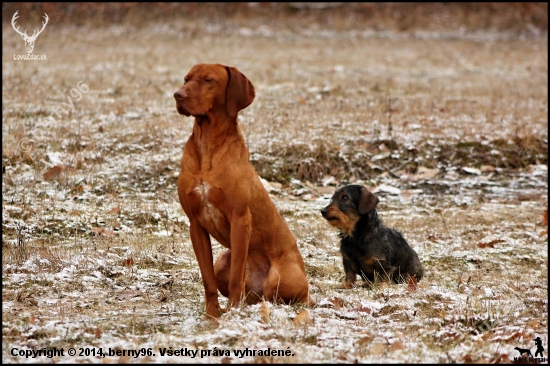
[186, 79]
[345, 198]
[208, 80]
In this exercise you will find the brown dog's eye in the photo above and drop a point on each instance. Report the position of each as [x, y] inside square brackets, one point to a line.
[186, 80]
[207, 80]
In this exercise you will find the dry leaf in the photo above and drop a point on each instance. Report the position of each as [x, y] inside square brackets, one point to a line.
[363, 309]
[265, 312]
[377, 349]
[467, 358]
[545, 219]
[490, 244]
[397, 345]
[126, 294]
[129, 262]
[433, 238]
[53, 172]
[302, 318]
[413, 284]
[533, 324]
[114, 210]
[366, 340]
[98, 230]
[32, 319]
[513, 336]
[502, 358]
[77, 189]
[108, 233]
[425, 173]
[103, 232]
[97, 333]
[478, 291]
[486, 245]
[337, 302]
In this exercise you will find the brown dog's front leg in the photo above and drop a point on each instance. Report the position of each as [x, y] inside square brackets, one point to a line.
[203, 250]
[240, 239]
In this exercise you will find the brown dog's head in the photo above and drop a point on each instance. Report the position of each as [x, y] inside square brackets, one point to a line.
[347, 205]
[214, 88]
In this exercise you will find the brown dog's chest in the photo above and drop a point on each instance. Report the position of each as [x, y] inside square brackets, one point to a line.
[206, 201]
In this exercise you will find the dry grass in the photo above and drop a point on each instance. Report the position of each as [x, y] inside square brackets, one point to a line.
[96, 250]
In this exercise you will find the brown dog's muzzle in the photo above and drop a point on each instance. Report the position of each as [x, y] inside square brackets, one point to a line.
[180, 97]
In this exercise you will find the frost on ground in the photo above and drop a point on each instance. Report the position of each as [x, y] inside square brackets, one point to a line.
[96, 249]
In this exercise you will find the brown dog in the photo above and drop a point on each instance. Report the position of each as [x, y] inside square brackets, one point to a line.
[223, 196]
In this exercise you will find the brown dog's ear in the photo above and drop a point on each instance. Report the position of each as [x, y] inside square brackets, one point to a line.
[367, 201]
[239, 93]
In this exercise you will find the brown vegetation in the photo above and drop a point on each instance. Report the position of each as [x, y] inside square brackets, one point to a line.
[448, 126]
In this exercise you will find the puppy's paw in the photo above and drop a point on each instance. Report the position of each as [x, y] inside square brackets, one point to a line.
[346, 285]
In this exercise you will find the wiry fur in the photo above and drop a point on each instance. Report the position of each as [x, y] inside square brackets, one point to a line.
[369, 248]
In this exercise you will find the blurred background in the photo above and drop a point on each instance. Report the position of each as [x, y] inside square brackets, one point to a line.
[518, 17]
[334, 81]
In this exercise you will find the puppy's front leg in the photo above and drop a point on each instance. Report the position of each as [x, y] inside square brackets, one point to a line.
[350, 274]
[240, 240]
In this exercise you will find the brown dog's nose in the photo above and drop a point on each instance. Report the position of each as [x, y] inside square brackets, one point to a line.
[324, 211]
[180, 94]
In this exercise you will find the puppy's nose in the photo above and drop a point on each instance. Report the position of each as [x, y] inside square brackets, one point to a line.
[180, 94]
[324, 211]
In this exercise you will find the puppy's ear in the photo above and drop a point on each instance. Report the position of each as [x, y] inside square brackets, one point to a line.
[367, 201]
[239, 93]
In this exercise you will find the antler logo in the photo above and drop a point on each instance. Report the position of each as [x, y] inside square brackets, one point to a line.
[29, 41]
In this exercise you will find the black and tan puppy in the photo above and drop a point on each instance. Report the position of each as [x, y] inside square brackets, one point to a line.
[367, 246]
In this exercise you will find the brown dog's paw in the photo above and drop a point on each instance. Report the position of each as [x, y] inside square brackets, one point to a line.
[214, 321]
[213, 312]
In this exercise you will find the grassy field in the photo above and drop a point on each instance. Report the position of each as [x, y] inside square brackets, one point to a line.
[448, 128]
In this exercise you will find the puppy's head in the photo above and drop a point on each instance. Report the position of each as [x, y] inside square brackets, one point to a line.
[347, 205]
